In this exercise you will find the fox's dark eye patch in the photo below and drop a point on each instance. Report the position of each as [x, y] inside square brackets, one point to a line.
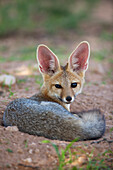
[58, 86]
[73, 85]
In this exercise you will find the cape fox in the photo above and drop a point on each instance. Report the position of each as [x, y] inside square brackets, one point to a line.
[48, 112]
[63, 83]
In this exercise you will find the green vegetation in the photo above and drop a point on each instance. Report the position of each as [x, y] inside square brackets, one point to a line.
[62, 155]
[110, 73]
[26, 143]
[111, 130]
[38, 80]
[19, 81]
[111, 60]
[103, 82]
[8, 166]
[27, 89]
[107, 36]
[10, 91]
[29, 53]
[96, 163]
[50, 15]
[9, 150]
[3, 48]
[9, 88]
[100, 55]
[21, 54]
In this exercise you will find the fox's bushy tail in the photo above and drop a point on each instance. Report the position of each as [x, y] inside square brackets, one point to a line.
[92, 124]
[51, 120]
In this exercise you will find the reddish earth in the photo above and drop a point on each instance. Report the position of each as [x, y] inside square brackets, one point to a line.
[24, 151]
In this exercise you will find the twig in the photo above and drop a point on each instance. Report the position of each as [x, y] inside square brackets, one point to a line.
[99, 141]
[29, 166]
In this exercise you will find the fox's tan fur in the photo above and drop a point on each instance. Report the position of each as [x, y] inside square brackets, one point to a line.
[64, 76]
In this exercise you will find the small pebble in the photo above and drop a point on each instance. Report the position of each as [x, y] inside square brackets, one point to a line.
[20, 150]
[7, 79]
[12, 128]
[30, 151]
[32, 144]
[37, 151]
[27, 160]
[82, 160]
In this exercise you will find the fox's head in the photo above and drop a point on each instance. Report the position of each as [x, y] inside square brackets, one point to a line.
[63, 83]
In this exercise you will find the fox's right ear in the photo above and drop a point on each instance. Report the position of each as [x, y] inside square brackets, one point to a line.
[79, 59]
[48, 61]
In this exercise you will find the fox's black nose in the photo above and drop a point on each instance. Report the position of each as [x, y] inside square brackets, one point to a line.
[68, 98]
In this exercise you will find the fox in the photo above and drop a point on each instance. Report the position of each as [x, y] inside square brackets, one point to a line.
[63, 83]
[47, 113]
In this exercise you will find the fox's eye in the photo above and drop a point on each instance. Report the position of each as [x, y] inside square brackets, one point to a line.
[73, 85]
[58, 86]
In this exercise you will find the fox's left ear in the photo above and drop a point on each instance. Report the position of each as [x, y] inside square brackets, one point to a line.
[78, 60]
[48, 61]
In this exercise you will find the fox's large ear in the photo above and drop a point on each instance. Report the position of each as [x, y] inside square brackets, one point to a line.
[78, 60]
[48, 62]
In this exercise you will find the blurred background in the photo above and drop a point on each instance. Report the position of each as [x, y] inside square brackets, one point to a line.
[60, 24]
